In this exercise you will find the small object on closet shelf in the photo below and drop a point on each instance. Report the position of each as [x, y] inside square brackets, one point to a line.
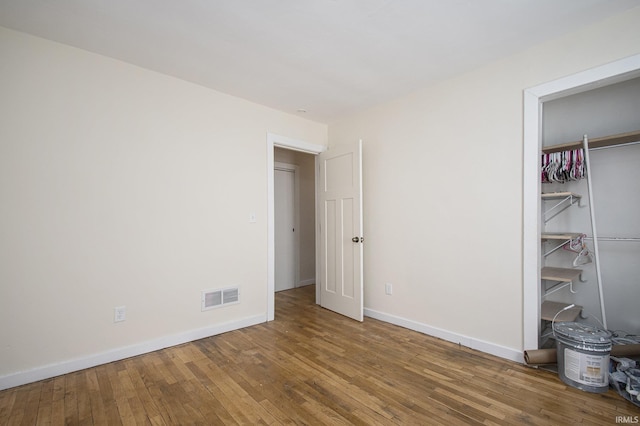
[583, 258]
[562, 166]
[576, 245]
[565, 275]
[564, 239]
[549, 309]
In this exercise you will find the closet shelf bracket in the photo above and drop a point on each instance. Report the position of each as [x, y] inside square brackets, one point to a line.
[564, 201]
[559, 286]
[561, 238]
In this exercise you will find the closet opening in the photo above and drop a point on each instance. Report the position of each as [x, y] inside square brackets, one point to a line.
[597, 103]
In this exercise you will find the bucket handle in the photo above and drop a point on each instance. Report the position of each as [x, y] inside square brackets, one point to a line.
[553, 321]
[566, 308]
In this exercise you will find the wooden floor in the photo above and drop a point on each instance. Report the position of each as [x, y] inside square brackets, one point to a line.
[310, 366]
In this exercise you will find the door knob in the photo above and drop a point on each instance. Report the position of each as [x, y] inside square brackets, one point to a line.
[355, 239]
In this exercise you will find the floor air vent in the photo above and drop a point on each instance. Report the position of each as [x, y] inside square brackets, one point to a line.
[216, 298]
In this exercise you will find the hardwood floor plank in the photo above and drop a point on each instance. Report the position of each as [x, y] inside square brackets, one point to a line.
[311, 366]
[107, 393]
[96, 404]
[14, 417]
[129, 404]
[121, 393]
[6, 406]
[45, 403]
[70, 398]
[210, 405]
[57, 403]
[134, 369]
[18, 407]
[410, 406]
[32, 402]
[84, 402]
[157, 421]
[280, 417]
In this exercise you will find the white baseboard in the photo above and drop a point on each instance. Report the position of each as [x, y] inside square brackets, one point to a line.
[53, 370]
[470, 342]
[307, 282]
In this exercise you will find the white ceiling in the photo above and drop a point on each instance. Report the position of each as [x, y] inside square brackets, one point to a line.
[328, 57]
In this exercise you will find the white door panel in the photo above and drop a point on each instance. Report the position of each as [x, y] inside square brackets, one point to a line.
[285, 247]
[340, 212]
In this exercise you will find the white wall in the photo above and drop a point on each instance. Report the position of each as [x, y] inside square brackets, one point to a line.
[599, 112]
[443, 190]
[121, 186]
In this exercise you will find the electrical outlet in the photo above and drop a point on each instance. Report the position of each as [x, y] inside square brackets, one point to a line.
[119, 313]
[388, 288]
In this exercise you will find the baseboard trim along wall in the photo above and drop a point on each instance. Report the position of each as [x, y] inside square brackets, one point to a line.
[309, 281]
[470, 342]
[53, 370]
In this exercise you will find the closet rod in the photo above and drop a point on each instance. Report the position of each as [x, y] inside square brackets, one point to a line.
[613, 239]
[612, 140]
[614, 146]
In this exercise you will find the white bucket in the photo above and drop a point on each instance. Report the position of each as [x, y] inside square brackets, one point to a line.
[583, 356]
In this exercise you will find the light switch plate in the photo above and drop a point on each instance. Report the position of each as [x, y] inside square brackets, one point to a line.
[119, 313]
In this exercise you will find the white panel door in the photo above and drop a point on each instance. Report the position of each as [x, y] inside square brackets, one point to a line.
[285, 255]
[341, 241]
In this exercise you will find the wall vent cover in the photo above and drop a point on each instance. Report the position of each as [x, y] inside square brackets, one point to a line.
[230, 295]
[221, 297]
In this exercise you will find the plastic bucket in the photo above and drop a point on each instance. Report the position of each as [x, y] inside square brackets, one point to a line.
[583, 356]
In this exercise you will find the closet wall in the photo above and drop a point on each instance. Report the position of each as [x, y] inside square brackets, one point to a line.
[615, 174]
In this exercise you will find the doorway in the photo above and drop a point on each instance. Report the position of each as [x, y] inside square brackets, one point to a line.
[289, 146]
[338, 213]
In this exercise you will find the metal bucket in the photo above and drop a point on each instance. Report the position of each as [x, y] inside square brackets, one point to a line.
[583, 356]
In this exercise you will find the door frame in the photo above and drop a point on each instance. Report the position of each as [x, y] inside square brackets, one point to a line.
[292, 168]
[614, 72]
[274, 140]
